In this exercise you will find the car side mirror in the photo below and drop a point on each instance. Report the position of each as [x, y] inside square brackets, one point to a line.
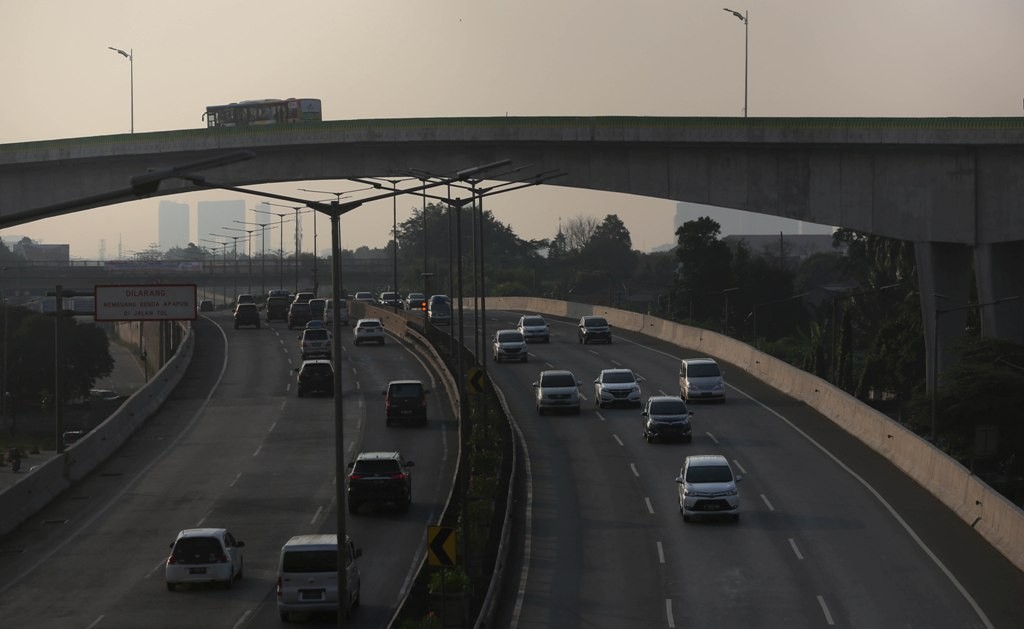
[171, 545]
[350, 464]
[410, 464]
[639, 379]
[679, 479]
[739, 478]
[357, 553]
[690, 412]
[239, 544]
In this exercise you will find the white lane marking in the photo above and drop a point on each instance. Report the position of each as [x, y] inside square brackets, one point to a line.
[600, 415]
[316, 515]
[258, 450]
[241, 621]
[632, 466]
[796, 551]
[767, 502]
[156, 567]
[712, 437]
[661, 553]
[273, 426]
[199, 524]
[616, 363]
[650, 507]
[96, 622]
[619, 440]
[738, 466]
[888, 507]
[358, 385]
[668, 613]
[824, 610]
[237, 476]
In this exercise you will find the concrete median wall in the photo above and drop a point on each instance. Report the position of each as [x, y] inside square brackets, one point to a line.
[37, 488]
[995, 518]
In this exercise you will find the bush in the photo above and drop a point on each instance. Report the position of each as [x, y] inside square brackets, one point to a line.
[454, 580]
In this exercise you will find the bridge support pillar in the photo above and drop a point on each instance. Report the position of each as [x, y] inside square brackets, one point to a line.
[944, 278]
[1000, 272]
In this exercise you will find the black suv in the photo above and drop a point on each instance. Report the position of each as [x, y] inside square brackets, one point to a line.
[247, 314]
[315, 376]
[379, 478]
[277, 308]
[594, 329]
[406, 401]
[299, 314]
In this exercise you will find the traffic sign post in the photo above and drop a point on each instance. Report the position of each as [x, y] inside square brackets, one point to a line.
[441, 546]
[475, 380]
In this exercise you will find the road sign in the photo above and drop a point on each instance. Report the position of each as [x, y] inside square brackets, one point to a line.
[140, 302]
[475, 380]
[441, 546]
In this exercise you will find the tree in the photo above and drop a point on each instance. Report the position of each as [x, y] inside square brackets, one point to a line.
[705, 269]
[608, 256]
[578, 231]
[31, 338]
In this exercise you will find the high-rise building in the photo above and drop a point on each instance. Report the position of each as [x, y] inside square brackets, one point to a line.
[214, 217]
[172, 225]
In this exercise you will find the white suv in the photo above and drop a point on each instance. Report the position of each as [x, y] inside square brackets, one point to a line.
[534, 328]
[707, 486]
[557, 390]
[369, 331]
[617, 386]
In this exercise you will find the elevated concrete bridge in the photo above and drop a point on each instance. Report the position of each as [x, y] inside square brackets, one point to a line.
[953, 186]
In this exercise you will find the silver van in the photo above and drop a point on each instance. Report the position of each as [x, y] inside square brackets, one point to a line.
[701, 379]
[342, 314]
[307, 575]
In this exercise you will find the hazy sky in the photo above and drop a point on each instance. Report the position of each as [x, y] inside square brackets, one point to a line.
[438, 58]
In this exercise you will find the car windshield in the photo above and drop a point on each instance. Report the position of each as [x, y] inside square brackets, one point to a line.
[310, 561]
[509, 337]
[300, 307]
[616, 377]
[533, 321]
[703, 370]
[595, 322]
[319, 369]
[558, 380]
[668, 407]
[369, 324]
[376, 468]
[708, 474]
[406, 390]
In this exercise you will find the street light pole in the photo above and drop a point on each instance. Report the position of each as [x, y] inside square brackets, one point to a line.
[745, 18]
[131, 75]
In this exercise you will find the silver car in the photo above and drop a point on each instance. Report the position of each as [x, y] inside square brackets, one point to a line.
[534, 328]
[557, 390]
[707, 487]
[509, 345]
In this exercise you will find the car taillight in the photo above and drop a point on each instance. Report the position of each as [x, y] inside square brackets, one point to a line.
[279, 586]
[399, 476]
[223, 558]
[387, 403]
[355, 476]
[171, 560]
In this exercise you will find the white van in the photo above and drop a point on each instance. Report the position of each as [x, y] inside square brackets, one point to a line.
[329, 313]
[701, 379]
[307, 575]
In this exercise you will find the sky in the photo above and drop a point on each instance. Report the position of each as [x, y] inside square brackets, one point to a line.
[456, 58]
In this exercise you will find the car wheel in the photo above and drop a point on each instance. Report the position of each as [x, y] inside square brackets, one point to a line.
[299, 392]
[236, 326]
[285, 617]
[547, 340]
[388, 422]
[735, 517]
[241, 570]
[257, 325]
[526, 358]
[540, 410]
[404, 508]
[353, 508]
[170, 587]
[686, 518]
[576, 411]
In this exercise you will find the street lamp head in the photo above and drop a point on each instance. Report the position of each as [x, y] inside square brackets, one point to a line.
[121, 52]
[739, 15]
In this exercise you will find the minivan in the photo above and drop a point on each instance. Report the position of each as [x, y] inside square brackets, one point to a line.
[342, 312]
[701, 379]
[439, 310]
[307, 575]
[707, 487]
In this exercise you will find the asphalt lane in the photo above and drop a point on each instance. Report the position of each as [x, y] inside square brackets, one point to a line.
[827, 534]
[233, 447]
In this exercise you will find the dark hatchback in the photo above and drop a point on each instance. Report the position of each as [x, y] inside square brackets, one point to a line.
[666, 417]
[247, 314]
[277, 308]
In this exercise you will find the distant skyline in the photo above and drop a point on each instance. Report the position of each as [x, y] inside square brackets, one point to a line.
[456, 58]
